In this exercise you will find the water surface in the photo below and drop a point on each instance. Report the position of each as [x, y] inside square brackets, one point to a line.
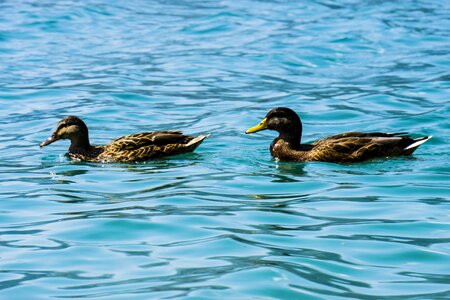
[225, 222]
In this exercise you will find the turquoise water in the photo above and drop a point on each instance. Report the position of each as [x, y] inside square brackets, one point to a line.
[225, 222]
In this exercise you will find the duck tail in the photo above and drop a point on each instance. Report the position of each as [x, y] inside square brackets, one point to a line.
[195, 142]
[417, 142]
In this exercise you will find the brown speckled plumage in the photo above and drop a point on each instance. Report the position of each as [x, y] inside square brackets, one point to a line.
[130, 148]
[340, 148]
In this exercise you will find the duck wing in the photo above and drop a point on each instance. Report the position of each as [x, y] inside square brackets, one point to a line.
[360, 135]
[356, 146]
[157, 138]
[149, 145]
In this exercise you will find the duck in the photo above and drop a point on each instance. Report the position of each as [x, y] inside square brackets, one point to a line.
[136, 147]
[348, 147]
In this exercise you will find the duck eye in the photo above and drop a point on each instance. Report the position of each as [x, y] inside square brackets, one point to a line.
[61, 126]
[276, 116]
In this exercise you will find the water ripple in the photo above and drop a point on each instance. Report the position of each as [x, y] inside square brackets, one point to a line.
[226, 221]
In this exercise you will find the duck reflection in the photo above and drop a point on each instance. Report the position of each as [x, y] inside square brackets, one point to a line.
[288, 172]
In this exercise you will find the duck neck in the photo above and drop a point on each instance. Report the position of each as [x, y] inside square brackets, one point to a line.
[293, 137]
[80, 144]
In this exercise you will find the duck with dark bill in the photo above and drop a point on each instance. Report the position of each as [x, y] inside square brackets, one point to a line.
[130, 148]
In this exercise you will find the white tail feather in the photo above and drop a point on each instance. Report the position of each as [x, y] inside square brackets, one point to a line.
[197, 139]
[419, 142]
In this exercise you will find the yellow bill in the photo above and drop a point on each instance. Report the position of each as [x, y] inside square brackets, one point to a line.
[259, 127]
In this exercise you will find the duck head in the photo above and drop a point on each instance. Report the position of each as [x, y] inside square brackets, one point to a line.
[70, 128]
[283, 120]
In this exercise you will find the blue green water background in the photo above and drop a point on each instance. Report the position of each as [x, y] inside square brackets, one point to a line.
[225, 222]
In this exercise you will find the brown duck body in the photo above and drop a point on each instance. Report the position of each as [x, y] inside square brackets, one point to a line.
[139, 147]
[130, 148]
[347, 147]
[340, 148]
